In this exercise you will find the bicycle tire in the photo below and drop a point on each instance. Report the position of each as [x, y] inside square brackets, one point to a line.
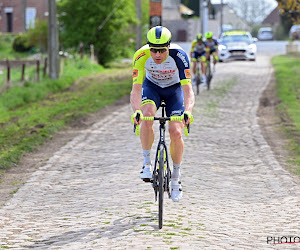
[161, 186]
[198, 81]
[208, 75]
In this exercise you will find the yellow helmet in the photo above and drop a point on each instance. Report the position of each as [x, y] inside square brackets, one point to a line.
[199, 37]
[208, 35]
[159, 36]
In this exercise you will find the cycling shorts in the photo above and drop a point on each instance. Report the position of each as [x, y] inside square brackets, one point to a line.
[212, 50]
[196, 55]
[173, 97]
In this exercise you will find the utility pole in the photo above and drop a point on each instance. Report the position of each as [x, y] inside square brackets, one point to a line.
[201, 16]
[24, 15]
[53, 41]
[221, 24]
[138, 39]
[204, 16]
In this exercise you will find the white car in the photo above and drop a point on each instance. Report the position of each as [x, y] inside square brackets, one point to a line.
[294, 33]
[265, 33]
[237, 45]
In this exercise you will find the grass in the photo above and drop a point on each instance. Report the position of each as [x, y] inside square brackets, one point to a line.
[287, 71]
[6, 50]
[31, 114]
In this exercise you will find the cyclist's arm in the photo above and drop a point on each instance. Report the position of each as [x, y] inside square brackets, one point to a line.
[189, 98]
[139, 60]
[207, 50]
[136, 97]
[192, 48]
[216, 46]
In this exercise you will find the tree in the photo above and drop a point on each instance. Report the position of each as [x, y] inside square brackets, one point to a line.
[291, 9]
[107, 24]
[252, 11]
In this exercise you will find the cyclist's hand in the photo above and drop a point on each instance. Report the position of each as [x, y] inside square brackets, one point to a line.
[137, 117]
[187, 118]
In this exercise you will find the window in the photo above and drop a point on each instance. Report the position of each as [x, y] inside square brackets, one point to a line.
[30, 17]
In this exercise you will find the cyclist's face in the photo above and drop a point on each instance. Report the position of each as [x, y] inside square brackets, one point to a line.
[159, 54]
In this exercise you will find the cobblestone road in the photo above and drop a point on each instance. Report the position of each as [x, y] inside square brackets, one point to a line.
[89, 196]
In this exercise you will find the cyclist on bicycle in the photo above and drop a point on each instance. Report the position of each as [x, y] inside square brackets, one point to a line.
[199, 50]
[213, 48]
[161, 72]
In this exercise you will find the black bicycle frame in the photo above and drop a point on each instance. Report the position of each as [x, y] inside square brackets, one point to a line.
[162, 131]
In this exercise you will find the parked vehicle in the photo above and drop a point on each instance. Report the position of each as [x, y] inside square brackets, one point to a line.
[294, 33]
[237, 45]
[265, 33]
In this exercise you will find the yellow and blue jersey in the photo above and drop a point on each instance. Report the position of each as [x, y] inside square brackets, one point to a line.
[175, 69]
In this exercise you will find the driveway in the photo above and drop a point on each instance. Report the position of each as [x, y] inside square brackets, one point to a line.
[236, 194]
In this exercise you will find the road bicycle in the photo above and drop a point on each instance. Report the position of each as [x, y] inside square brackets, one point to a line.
[161, 173]
[199, 73]
[198, 76]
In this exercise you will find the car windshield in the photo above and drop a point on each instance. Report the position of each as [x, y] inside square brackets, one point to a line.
[266, 32]
[236, 38]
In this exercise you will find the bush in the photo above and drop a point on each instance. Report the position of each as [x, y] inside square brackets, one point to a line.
[21, 44]
[38, 36]
[280, 34]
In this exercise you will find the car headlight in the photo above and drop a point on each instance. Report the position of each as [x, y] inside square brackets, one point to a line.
[252, 46]
[222, 47]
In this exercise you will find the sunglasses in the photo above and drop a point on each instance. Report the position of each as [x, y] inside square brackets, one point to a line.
[160, 51]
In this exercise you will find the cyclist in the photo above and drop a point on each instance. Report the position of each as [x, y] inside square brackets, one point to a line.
[161, 71]
[199, 49]
[213, 48]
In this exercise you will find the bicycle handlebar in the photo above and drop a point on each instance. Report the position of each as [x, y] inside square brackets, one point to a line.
[154, 118]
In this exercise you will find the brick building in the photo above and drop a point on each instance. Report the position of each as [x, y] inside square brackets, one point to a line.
[18, 15]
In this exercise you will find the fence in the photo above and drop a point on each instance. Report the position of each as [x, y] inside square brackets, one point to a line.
[9, 64]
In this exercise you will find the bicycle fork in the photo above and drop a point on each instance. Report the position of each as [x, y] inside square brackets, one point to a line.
[161, 147]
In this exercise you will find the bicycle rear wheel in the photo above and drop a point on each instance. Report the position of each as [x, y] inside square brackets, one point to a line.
[208, 75]
[161, 186]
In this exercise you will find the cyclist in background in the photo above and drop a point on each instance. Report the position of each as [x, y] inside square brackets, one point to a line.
[167, 77]
[199, 50]
[213, 48]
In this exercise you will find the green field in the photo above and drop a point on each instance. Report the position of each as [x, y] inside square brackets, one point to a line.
[32, 113]
[287, 72]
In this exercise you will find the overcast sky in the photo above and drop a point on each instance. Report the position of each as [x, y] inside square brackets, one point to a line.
[273, 3]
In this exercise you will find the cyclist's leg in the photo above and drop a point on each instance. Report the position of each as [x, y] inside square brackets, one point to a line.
[194, 60]
[175, 107]
[203, 67]
[203, 63]
[148, 107]
[150, 103]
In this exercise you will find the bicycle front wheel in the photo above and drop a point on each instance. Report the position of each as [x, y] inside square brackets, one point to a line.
[209, 76]
[161, 186]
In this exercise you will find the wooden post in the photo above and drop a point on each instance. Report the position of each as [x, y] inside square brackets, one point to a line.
[81, 45]
[23, 72]
[45, 67]
[8, 71]
[37, 70]
[92, 52]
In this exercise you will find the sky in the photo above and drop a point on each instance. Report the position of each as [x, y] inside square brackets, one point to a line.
[271, 2]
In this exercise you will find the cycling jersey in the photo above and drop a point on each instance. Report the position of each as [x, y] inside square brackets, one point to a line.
[199, 48]
[213, 44]
[175, 69]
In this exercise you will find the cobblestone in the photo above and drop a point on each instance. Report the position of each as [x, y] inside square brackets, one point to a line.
[236, 194]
